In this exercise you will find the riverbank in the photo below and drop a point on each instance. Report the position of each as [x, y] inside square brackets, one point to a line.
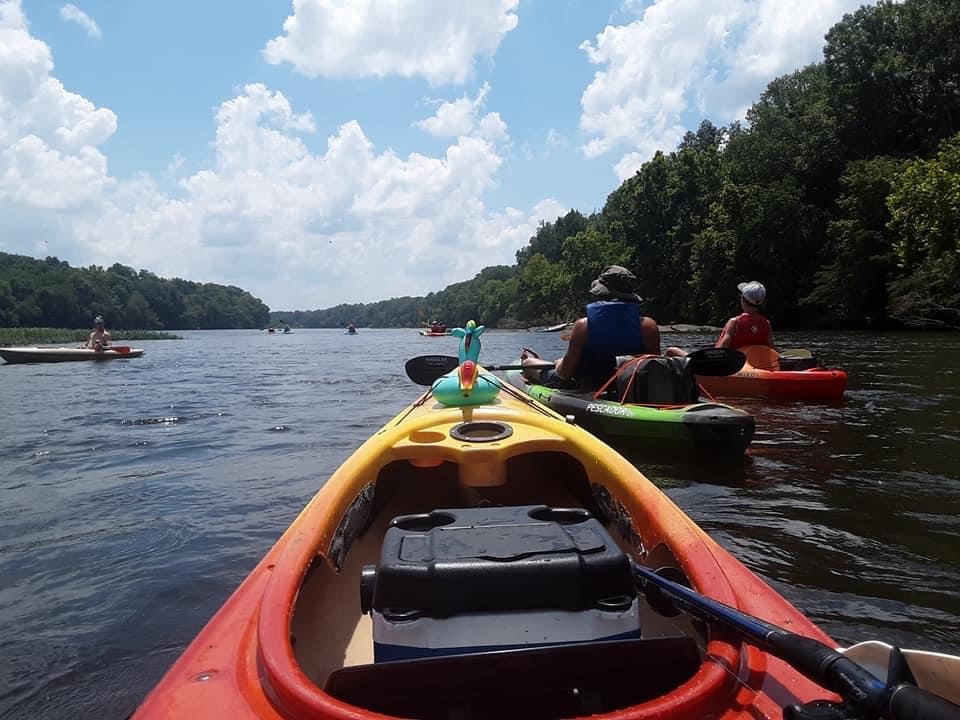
[46, 336]
[671, 328]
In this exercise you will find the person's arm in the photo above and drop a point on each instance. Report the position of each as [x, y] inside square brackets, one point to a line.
[90, 340]
[107, 338]
[568, 365]
[726, 335]
[651, 335]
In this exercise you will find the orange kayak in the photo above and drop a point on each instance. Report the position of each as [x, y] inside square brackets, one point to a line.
[469, 562]
[762, 376]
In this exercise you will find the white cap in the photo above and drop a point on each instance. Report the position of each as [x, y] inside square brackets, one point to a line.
[753, 292]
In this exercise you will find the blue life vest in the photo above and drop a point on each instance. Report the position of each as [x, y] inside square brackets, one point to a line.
[613, 328]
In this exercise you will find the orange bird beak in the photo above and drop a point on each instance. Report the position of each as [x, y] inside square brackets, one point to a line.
[467, 373]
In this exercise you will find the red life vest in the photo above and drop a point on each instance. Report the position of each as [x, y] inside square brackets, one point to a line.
[751, 330]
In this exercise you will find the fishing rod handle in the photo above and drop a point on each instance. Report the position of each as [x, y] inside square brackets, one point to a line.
[908, 702]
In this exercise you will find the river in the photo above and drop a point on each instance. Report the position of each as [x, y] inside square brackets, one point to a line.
[136, 494]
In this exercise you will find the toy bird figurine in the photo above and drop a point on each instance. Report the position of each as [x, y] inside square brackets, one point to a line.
[465, 385]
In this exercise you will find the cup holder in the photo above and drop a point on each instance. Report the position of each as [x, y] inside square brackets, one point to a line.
[561, 516]
[423, 522]
[481, 432]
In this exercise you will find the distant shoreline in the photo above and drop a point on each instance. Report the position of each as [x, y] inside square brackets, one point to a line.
[685, 328]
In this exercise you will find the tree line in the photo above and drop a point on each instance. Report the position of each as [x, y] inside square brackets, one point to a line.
[51, 293]
[840, 192]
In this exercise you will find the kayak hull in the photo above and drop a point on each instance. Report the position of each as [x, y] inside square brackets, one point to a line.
[764, 375]
[427, 333]
[813, 384]
[50, 355]
[707, 427]
[274, 648]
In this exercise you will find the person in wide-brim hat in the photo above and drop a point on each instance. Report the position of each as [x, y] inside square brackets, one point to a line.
[615, 283]
[614, 325]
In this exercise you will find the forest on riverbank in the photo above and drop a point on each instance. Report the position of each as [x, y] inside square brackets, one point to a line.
[841, 193]
[51, 293]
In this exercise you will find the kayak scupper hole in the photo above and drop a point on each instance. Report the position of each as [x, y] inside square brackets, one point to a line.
[561, 516]
[426, 436]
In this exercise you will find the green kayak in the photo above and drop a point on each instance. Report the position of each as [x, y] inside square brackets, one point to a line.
[706, 427]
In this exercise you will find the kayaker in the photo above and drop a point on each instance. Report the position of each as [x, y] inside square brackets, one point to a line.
[613, 326]
[100, 337]
[750, 327]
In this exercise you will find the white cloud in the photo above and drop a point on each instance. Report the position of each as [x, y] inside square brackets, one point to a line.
[49, 137]
[685, 56]
[298, 227]
[436, 39]
[72, 13]
[461, 117]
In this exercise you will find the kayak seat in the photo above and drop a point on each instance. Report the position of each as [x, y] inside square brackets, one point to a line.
[656, 381]
[798, 363]
[544, 682]
[761, 357]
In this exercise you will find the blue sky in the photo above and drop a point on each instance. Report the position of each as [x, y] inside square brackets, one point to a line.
[325, 151]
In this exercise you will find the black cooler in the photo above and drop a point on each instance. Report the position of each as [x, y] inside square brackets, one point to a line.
[493, 578]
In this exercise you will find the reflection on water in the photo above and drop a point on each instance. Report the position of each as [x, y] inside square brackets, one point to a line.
[138, 493]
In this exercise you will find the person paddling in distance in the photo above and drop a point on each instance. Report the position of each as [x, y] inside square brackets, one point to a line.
[614, 325]
[100, 337]
[750, 327]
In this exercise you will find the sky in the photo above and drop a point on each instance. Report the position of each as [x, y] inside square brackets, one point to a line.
[317, 152]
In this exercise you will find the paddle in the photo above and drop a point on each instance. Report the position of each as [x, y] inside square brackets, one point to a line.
[796, 353]
[121, 349]
[871, 696]
[425, 369]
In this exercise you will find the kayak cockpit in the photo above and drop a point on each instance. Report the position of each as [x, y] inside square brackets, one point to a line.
[452, 653]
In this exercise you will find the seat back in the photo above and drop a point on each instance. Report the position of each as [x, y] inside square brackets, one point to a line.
[545, 682]
[761, 357]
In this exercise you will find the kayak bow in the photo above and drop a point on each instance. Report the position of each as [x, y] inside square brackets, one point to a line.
[293, 642]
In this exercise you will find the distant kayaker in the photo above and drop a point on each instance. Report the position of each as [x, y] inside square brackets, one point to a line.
[100, 337]
[750, 327]
[613, 326]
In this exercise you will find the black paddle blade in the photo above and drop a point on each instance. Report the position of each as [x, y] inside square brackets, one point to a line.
[425, 369]
[716, 361]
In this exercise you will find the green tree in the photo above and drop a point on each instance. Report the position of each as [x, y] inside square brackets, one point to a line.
[924, 207]
[895, 76]
[851, 287]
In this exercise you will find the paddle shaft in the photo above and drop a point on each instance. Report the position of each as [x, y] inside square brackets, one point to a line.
[425, 369]
[820, 663]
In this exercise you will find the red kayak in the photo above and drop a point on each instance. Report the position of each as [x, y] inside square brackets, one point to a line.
[483, 562]
[763, 376]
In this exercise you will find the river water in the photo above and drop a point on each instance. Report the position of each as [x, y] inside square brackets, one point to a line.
[136, 494]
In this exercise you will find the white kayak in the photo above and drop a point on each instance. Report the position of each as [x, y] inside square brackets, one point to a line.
[65, 354]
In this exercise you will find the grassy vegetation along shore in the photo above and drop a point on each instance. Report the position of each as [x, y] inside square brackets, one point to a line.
[45, 335]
